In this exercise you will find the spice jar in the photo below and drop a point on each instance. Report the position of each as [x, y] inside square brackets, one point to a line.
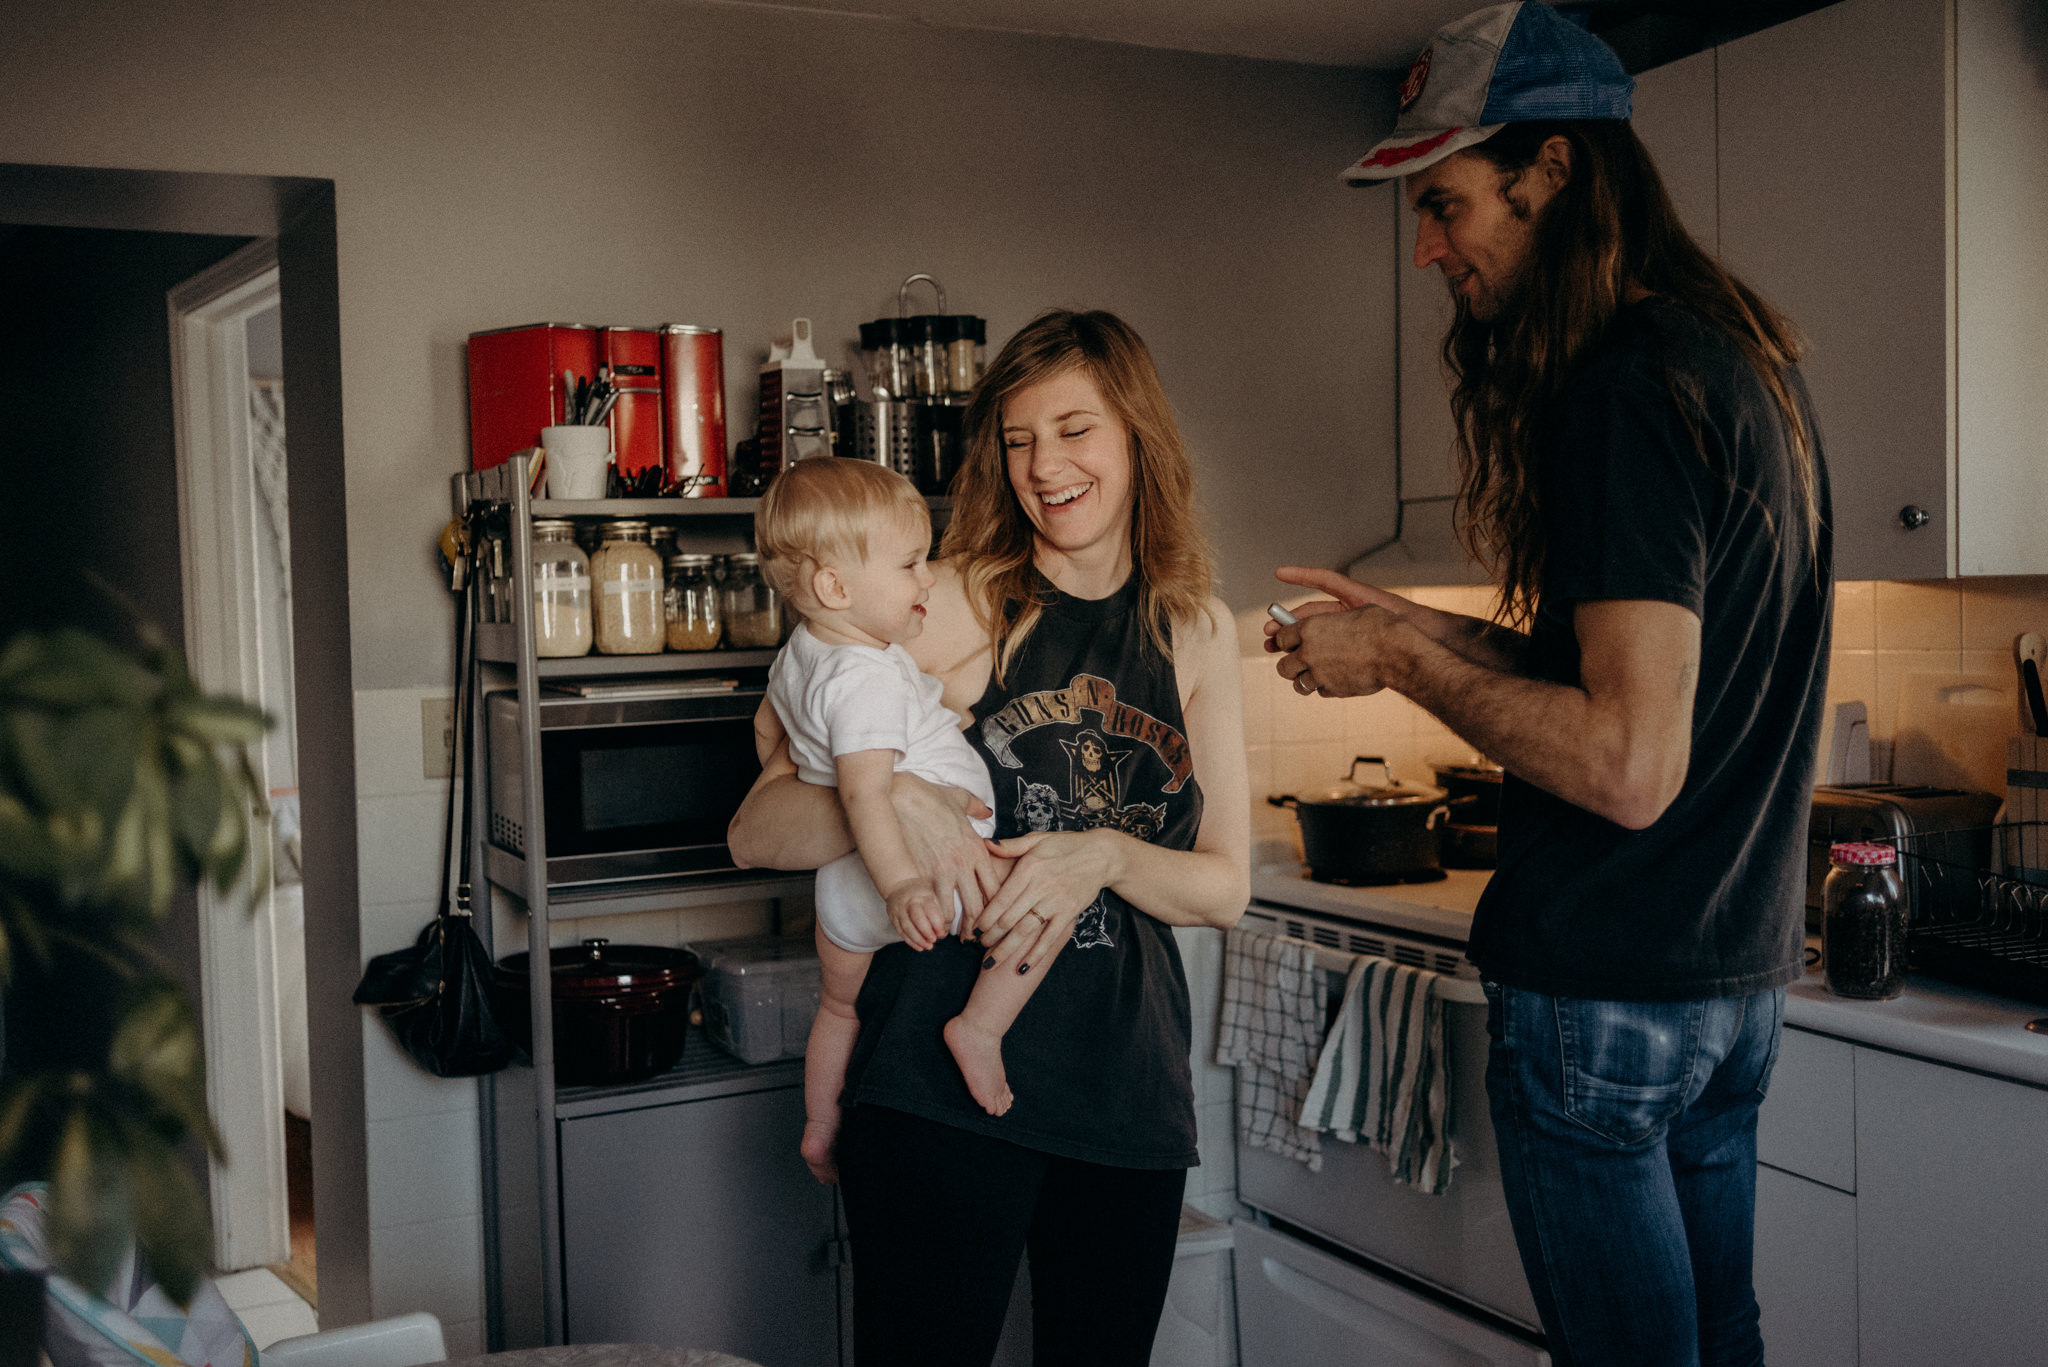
[753, 610]
[627, 574]
[927, 334]
[561, 591]
[963, 352]
[1863, 922]
[691, 604]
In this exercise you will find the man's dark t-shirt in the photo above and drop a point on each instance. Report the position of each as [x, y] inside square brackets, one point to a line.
[1708, 901]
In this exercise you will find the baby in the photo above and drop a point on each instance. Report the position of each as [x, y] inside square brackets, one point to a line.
[846, 542]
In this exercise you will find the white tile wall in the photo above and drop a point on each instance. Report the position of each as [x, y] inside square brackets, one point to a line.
[423, 1168]
[432, 1265]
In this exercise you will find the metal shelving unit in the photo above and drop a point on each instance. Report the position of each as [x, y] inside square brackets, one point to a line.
[507, 648]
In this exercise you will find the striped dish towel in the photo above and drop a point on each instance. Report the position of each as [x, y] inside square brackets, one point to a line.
[1383, 1077]
[1273, 1008]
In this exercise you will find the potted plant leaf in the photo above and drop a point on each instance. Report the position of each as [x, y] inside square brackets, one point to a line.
[120, 782]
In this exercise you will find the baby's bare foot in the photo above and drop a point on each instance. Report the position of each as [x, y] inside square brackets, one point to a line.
[980, 1056]
[819, 1145]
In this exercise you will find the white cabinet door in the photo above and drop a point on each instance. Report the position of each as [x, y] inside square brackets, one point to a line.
[1834, 206]
[1674, 116]
[1951, 1214]
[1805, 1271]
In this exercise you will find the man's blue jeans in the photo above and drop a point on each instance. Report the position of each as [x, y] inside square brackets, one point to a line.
[1627, 1134]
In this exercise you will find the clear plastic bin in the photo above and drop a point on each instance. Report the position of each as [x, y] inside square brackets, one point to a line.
[760, 996]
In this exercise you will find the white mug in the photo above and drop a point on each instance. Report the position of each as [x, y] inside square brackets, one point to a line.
[578, 458]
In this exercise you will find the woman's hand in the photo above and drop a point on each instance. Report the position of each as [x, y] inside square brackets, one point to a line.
[1055, 876]
[937, 827]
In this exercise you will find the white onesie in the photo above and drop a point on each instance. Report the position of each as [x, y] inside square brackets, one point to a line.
[841, 699]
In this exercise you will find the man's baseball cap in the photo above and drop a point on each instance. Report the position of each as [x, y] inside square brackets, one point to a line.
[1500, 65]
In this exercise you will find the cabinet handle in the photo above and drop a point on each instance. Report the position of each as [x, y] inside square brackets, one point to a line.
[1913, 517]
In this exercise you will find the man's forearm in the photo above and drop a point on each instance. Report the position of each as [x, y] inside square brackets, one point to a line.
[1487, 644]
[1552, 735]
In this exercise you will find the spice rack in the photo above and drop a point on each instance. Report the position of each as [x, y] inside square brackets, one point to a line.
[522, 1245]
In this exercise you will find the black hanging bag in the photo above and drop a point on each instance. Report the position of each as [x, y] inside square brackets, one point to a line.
[436, 995]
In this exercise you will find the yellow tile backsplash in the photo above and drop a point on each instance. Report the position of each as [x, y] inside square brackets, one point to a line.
[1886, 633]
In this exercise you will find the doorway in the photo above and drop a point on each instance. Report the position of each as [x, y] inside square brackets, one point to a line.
[235, 539]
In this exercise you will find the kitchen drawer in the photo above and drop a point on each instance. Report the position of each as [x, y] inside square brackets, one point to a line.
[1297, 1305]
[1808, 1123]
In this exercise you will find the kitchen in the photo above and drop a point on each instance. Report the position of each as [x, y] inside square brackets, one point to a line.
[462, 202]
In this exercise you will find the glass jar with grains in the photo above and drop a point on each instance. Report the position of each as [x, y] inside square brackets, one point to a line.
[691, 604]
[561, 591]
[753, 609]
[628, 578]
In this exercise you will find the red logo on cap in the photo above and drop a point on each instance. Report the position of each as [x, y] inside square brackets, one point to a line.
[1418, 74]
[1394, 156]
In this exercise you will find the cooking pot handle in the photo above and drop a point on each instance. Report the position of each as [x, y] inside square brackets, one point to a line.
[1284, 800]
[1437, 816]
[1385, 768]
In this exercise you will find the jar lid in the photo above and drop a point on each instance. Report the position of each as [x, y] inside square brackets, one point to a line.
[553, 529]
[878, 334]
[1862, 852]
[625, 530]
[743, 558]
[968, 328]
[691, 560]
[927, 327]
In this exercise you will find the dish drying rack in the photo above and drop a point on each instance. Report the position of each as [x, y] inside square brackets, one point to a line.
[1981, 927]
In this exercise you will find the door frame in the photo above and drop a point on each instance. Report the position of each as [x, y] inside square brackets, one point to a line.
[218, 504]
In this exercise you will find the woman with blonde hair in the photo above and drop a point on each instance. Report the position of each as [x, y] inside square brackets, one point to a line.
[1074, 626]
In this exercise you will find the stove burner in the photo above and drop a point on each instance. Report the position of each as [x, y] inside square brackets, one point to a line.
[1412, 876]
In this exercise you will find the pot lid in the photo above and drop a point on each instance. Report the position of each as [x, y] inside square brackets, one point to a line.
[1349, 792]
[1475, 770]
[599, 967]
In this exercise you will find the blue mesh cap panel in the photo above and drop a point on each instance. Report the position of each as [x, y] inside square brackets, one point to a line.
[1550, 68]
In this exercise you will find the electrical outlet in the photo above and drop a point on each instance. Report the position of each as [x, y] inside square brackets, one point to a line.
[437, 737]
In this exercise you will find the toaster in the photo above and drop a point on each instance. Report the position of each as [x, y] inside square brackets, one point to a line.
[1938, 832]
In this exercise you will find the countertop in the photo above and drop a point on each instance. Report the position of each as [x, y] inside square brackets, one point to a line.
[1931, 1020]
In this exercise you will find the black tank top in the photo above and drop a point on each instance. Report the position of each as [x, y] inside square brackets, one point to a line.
[1085, 731]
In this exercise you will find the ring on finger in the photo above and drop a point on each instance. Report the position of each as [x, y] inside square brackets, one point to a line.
[1040, 915]
[1302, 683]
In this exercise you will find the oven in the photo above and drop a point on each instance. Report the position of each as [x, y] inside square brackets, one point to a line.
[1347, 1266]
[632, 789]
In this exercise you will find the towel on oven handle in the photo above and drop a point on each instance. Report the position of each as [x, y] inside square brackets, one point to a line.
[1382, 1079]
[1274, 1005]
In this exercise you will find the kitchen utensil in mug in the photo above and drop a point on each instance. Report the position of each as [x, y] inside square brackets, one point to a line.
[2030, 654]
[578, 458]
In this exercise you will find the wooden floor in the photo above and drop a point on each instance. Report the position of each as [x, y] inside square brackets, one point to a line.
[299, 1272]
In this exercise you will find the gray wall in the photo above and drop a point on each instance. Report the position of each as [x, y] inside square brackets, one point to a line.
[635, 162]
[618, 162]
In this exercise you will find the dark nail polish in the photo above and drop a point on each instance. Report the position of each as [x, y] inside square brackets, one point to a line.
[989, 962]
[1023, 968]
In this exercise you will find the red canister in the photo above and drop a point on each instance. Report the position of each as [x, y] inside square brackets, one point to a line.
[515, 384]
[634, 355]
[693, 395]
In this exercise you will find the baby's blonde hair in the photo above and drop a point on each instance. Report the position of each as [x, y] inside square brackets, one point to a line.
[818, 512]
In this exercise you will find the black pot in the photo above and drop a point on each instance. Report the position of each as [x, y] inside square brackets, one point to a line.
[1470, 847]
[621, 1012]
[1363, 834]
[1479, 781]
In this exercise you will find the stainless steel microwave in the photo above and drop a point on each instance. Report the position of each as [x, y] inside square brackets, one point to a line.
[631, 789]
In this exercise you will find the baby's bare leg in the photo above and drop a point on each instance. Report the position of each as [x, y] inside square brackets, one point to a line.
[833, 1033]
[975, 1036]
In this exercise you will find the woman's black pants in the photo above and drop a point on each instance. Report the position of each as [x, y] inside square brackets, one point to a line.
[940, 1216]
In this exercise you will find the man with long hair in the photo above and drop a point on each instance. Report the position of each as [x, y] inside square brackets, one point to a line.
[1641, 468]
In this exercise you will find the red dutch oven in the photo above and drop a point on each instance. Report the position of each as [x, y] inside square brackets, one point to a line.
[621, 1011]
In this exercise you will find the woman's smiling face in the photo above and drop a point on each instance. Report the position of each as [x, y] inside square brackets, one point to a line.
[1069, 461]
